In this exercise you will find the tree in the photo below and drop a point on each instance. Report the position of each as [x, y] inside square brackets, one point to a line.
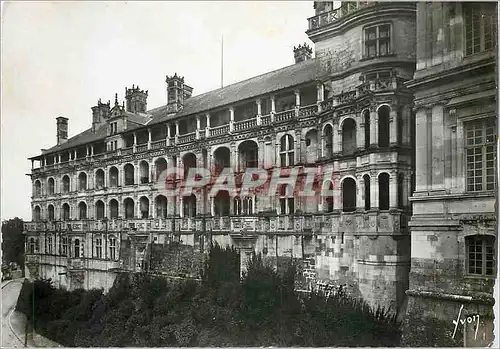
[13, 241]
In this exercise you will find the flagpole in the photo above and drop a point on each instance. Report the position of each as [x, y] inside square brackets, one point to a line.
[222, 63]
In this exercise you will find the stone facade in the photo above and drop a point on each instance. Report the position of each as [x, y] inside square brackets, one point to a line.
[98, 211]
[453, 227]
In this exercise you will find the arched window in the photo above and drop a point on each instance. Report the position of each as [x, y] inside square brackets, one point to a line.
[328, 139]
[77, 248]
[160, 166]
[82, 181]
[311, 146]
[222, 159]
[221, 203]
[383, 126]
[144, 205]
[189, 206]
[65, 212]
[99, 209]
[38, 188]
[366, 180]
[161, 206]
[287, 201]
[50, 210]
[128, 204]
[37, 214]
[287, 151]
[383, 191]
[113, 209]
[113, 177]
[65, 184]
[248, 155]
[348, 136]
[50, 186]
[189, 161]
[328, 198]
[348, 195]
[366, 120]
[144, 172]
[99, 179]
[129, 174]
[82, 209]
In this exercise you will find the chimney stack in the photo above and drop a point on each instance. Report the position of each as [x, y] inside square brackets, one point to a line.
[177, 93]
[62, 130]
[136, 99]
[302, 53]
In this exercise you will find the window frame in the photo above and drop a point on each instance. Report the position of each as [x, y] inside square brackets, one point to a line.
[482, 253]
[377, 39]
[288, 153]
[484, 146]
[474, 9]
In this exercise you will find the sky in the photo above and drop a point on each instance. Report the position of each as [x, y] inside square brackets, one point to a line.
[59, 58]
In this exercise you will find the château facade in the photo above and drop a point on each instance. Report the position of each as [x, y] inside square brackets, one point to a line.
[98, 209]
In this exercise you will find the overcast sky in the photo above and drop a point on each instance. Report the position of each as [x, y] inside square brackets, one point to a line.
[59, 58]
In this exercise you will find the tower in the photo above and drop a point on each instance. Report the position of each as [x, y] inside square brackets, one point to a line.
[136, 99]
[177, 93]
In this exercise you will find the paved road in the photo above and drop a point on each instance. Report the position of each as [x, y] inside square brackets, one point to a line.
[10, 292]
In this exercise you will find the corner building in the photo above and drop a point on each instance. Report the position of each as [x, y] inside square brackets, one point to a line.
[97, 210]
[453, 227]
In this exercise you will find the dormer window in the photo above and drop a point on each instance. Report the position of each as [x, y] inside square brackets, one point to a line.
[113, 128]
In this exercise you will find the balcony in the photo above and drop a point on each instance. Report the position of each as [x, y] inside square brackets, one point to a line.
[245, 124]
[186, 138]
[284, 115]
[219, 130]
[326, 18]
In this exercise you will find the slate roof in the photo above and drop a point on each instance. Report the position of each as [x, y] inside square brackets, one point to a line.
[276, 80]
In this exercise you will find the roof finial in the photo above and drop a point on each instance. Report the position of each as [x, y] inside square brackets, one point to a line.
[116, 98]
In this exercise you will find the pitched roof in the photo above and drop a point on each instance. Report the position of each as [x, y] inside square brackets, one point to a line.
[276, 80]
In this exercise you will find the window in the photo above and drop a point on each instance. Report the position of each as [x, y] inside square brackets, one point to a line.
[98, 248]
[112, 248]
[243, 207]
[113, 128]
[287, 204]
[383, 191]
[65, 184]
[50, 209]
[348, 195]
[480, 27]
[349, 145]
[77, 248]
[366, 180]
[481, 153]
[286, 150]
[378, 41]
[480, 254]
[50, 186]
[38, 189]
[49, 245]
[64, 246]
[65, 212]
[32, 245]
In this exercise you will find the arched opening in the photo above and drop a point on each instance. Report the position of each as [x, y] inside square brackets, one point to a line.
[328, 139]
[77, 248]
[287, 201]
[38, 188]
[383, 191]
[243, 206]
[82, 181]
[160, 166]
[248, 155]
[129, 174]
[113, 209]
[189, 206]
[82, 209]
[50, 210]
[348, 195]
[328, 198]
[65, 212]
[222, 159]
[366, 190]
[37, 214]
[401, 178]
[222, 203]
[311, 146]
[128, 204]
[189, 161]
[65, 184]
[287, 153]
[144, 172]
[366, 121]
[383, 126]
[50, 186]
[144, 205]
[113, 177]
[161, 206]
[348, 136]
[99, 209]
[99, 179]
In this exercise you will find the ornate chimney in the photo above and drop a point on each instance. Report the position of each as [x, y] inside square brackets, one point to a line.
[177, 93]
[302, 53]
[136, 99]
[62, 130]
[100, 113]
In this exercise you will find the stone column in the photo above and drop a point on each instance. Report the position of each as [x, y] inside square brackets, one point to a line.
[337, 194]
[360, 185]
[320, 93]
[176, 131]
[421, 162]
[207, 128]
[438, 147]
[198, 126]
[149, 138]
[91, 150]
[273, 108]
[231, 119]
[335, 136]
[393, 131]
[374, 189]
[373, 128]
[297, 102]
[360, 132]
[393, 190]
[168, 134]
[259, 111]
[135, 142]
